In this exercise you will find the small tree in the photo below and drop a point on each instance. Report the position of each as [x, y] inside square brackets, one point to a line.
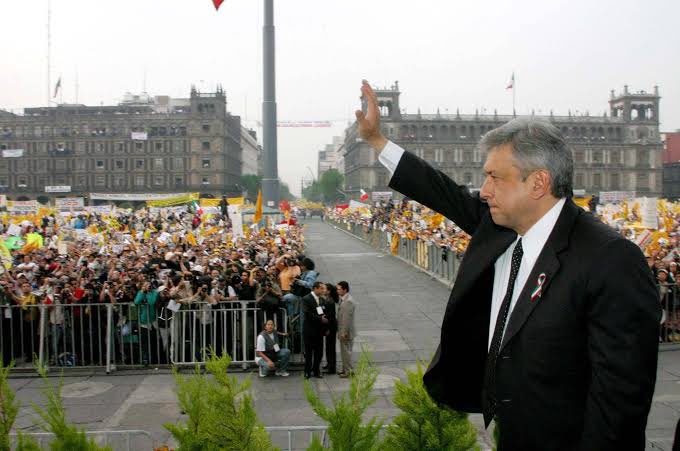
[9, 409]
[423, 425]
[53, 419]
[345, 417]
[220, 410]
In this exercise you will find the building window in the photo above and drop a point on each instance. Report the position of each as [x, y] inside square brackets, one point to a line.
[120, 164]
[158, 163]
[178, 163]
[467, 156]
[597, 181]
[179, 181]
[119, 181]
[82, 180]
[139, 164]
[158, 180]
[597, 156]
[579, 156]
[205, 163]
[205, 145]
[205, 181]
[206, 128]
[100, 180]
[159, 146]
[22, 182]
[99, 164]
[121, 147]
[578, 180]
[467, 178]
[139, 145]
[642, 181]
[4, 182]
[139, 180]
[615, 180]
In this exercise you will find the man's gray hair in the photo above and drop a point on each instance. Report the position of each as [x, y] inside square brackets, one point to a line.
[536, 144]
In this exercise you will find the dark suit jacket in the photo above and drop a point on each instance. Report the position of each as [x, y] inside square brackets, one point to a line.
[313, 327]
[577, 366]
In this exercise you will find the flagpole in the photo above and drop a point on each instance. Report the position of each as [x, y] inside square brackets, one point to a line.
[49, 81]
[514, 90]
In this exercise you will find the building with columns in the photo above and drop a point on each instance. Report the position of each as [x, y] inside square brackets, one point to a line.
[620, 150]
[142, 145]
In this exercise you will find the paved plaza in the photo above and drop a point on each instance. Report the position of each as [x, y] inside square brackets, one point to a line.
[398, 317]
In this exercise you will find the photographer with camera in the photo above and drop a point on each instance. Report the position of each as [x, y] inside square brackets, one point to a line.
[145, 300]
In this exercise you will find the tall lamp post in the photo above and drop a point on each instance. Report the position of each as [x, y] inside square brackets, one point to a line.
[270, 181]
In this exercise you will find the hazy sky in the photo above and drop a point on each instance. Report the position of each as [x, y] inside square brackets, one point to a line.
[446, 54]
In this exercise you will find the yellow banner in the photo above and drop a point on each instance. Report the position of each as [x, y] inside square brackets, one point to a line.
[169, 202]
[216, 202]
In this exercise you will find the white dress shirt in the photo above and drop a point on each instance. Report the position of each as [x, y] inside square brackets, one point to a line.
[532, 244]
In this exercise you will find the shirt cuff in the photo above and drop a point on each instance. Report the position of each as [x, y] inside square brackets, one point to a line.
[390, 156]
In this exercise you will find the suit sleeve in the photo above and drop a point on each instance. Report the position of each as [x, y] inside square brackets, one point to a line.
[415, 178]
[623, 322]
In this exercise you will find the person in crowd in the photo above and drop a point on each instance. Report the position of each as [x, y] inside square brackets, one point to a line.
[346, 330]
[145, 300]
[315, 327]
[330, 301]
[270, 355]
[529, 360]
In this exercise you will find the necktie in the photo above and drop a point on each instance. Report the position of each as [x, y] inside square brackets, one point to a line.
[490, 372]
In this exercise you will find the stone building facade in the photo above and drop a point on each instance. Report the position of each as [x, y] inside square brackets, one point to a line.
[620, 150]
[142, 145]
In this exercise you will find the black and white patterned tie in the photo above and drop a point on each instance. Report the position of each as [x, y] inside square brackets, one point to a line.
[490, 372]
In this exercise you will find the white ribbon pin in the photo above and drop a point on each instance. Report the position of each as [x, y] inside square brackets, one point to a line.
[538, 291]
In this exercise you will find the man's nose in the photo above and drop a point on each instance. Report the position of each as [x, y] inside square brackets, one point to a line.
[485, 192]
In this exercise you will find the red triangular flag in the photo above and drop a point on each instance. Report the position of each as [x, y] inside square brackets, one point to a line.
[217, 4]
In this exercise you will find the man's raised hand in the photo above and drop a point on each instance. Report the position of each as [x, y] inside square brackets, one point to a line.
[369, 123]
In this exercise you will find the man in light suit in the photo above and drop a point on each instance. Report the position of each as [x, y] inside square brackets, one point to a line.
[551, 327]
[346, 331]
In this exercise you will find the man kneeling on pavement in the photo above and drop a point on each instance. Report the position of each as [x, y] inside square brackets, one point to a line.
[270, 356]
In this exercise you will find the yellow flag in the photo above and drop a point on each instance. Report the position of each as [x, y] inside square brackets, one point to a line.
[191, 239]
[5, 255]
[258, 208]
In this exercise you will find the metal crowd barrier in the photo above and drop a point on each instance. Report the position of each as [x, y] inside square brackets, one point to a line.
[232, 329]
[438, 261]
[124, 335]
[669, 331]
[119, 440]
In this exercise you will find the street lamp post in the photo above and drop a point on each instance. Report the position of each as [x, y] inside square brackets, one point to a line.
[270, 180]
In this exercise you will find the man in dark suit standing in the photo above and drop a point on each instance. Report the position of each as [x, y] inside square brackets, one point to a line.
[313, 329]
[551, 327]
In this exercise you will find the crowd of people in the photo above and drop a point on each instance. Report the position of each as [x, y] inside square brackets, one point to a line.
[411, 220]
[148, 265]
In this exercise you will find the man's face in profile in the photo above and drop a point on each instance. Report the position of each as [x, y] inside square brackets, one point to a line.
[504, 190]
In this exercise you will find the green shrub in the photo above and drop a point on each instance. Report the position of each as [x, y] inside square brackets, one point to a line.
[345, 429]
[220, 412]
[52, 419]
[423, 425]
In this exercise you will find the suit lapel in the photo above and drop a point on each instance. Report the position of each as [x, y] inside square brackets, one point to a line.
[547, 263]
[489, 242]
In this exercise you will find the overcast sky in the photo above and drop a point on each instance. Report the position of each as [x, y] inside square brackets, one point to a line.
[446, 54]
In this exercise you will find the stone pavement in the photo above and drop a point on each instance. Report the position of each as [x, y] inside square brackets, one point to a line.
[398, 318]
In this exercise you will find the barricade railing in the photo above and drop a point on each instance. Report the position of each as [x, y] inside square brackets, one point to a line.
[119, 440]
[669, 330]
[231, 329]
[290, 431]
[441, 262]
[128, 335]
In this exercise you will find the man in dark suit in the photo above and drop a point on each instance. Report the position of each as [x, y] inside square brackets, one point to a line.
[551, 327]
[313, 329]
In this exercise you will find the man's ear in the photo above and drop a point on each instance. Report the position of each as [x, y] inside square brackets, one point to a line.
[541, 184]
